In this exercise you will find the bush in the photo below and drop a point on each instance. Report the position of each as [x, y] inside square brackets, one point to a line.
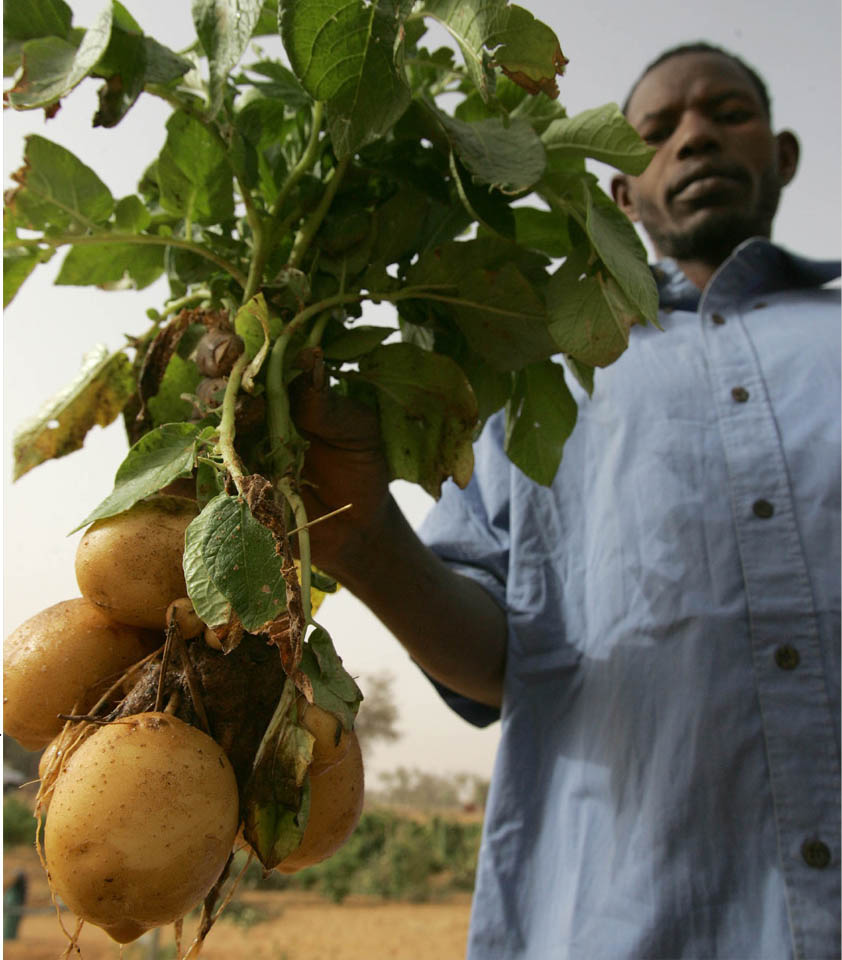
[18, 823]
[389, 856]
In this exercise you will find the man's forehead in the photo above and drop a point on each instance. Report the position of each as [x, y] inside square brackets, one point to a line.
[687, 76]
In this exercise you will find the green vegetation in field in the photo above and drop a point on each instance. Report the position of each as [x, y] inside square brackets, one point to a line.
[389, 856]
[18, 822]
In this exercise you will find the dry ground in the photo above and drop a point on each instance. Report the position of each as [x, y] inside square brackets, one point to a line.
[300, 926]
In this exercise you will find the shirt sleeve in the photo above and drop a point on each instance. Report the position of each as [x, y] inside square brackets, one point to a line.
[468, 530]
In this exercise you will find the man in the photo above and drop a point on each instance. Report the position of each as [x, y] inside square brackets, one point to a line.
[659, 630]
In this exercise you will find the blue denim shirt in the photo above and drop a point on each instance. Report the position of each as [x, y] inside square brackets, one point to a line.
[667, 781]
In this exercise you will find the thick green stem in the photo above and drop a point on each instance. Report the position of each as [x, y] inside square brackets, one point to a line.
[227, 426]
[305, 161]
[314, 221]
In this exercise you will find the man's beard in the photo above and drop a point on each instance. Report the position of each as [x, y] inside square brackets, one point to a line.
[713, 239]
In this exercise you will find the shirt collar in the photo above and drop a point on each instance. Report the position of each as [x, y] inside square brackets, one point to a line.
[756, 266]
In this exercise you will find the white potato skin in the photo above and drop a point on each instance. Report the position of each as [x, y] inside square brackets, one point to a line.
[141, 823]
[61, 660]
[130, 565]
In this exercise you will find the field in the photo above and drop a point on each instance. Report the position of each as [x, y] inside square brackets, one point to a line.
[263, 925]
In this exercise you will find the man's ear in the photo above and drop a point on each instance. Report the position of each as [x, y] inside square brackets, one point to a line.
[788, 153]
[621, 192]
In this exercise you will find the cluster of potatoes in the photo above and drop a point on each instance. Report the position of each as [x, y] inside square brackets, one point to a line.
[143, 812]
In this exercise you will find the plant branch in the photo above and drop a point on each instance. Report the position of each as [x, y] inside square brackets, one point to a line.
[139, 239]
[305, 235]
[227, 426]
[305, 161]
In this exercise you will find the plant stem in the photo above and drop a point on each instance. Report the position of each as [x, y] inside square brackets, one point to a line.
[314, 221]
[227, 427]
[305, 161]
[293, 498]
[140, 239]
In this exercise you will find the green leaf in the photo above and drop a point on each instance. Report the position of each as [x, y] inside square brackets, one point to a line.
[334, 689]
[487, 207]
[167, 405]
[528, 52]
[427, 414]
[17, 266]
[540, 416]
[249, 324]
[158, 458]
[618, 245]
[224, 28]
[348, 53]
[52, 67]
[589, 318]
[96, 396]
[131, 215]
[603, 134]
[194, 177]
[127, 265]
[543, 230]
[509, 157]
[211, 606]
[57, 189]
[353, 343]
[240, 557]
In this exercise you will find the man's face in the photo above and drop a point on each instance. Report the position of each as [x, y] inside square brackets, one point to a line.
[718, 171]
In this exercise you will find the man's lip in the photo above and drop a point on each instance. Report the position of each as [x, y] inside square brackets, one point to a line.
[708, 178]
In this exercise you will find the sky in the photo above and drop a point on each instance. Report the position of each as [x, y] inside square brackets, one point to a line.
[47, 329]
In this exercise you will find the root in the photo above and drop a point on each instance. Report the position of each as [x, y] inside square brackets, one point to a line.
[209, 918]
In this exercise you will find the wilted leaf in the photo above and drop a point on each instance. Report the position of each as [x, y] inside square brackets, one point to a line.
[96, 396]
[528, 52]
[52, 67]
[277, 796]
[540, 416]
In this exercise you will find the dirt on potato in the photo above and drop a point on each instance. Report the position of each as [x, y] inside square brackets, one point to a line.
[293, 925]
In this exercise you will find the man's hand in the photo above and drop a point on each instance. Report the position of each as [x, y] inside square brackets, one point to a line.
[344, 465]
[448, 623]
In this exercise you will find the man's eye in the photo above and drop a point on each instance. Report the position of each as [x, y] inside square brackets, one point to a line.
[734, 116]
[656, 136]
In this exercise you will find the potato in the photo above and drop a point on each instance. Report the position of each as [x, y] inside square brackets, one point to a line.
[130, 565]
[336, 802]
[141, 823]
[331, 738]
[63, 658]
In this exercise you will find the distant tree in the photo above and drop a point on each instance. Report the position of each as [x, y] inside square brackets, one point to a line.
[378, 715]
[419, 788]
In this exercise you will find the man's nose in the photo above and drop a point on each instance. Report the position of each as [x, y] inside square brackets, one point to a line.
[697, 134]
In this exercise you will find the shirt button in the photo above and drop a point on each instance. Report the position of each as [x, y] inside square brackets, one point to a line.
[762, 509]
[717, 318]
[787, 657]
[740, 394]
[816, 854]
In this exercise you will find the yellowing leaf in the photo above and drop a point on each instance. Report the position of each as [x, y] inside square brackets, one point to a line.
[96, 396]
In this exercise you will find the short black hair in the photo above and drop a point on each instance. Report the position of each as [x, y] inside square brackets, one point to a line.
[703, 47]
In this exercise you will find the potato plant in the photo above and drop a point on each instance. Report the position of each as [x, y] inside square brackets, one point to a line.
[318, 157]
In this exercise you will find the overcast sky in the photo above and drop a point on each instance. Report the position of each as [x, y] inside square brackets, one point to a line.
[47, 328]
